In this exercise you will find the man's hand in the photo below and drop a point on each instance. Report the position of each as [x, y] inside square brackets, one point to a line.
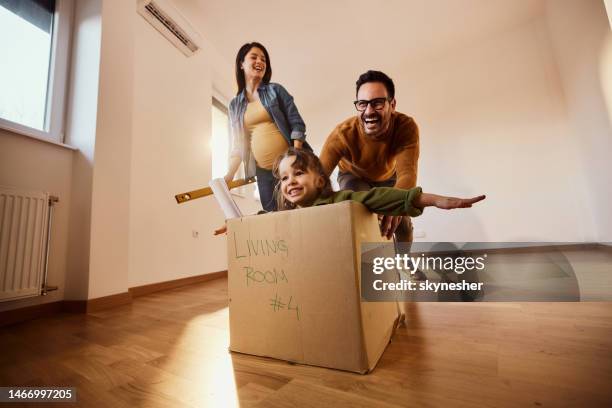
[389, 224]
[449, 203]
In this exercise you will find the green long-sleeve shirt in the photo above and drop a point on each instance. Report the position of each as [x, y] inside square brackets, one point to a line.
[381, 200]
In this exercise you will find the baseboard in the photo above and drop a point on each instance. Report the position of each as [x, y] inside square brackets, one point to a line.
[143, 290]
[74, 306]
[543, 248]
[605, 246]
[106, 302]
[567, 247]
[522, 250]
[8, 317]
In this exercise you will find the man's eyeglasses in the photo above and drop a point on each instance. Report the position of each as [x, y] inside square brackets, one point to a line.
[377, 104]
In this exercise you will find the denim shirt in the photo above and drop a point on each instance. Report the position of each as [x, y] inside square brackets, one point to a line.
[281, 108]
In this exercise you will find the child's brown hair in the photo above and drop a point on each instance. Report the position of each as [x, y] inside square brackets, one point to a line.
[305, 160]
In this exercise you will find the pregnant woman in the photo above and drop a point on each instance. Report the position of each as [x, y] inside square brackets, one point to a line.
[264, 121]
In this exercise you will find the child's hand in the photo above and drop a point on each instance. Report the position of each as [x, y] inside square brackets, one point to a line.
[449, 203]
[221, 230]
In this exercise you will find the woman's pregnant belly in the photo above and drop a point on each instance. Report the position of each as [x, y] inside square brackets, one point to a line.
[267, 143]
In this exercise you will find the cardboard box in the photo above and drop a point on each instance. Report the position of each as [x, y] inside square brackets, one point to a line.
[294, 289]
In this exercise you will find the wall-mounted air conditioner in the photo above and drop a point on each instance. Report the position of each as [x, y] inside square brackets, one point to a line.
[166, 18]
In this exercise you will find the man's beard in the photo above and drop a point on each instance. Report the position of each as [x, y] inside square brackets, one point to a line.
[382, 127]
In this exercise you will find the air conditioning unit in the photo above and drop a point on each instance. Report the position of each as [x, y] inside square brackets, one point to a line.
[166, 18]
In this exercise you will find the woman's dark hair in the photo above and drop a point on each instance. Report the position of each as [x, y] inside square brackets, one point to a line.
[242, 52]
[376, 76]
[305, 160]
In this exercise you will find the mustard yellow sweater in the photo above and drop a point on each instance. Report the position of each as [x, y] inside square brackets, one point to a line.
[375, 160]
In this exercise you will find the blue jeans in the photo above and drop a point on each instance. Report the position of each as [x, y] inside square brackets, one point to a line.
[266, 183]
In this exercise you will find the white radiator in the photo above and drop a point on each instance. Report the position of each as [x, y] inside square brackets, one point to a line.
[25, 222]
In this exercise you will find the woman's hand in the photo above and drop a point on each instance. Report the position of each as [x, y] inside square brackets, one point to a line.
[221, 230]
[234, 163]
[298, 143]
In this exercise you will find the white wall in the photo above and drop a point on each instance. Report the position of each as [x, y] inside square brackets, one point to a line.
[66, 173]
[39, 166]
[109, 247]
[171, 154]
[81, 123]
[493, 119]
[580, 34]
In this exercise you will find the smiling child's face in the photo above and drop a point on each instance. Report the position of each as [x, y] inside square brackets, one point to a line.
[300, 187]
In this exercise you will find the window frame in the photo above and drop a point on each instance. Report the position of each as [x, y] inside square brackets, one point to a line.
[55, 107]
[219, 101]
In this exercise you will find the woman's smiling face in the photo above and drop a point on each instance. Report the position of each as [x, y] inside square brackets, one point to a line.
[254, 64]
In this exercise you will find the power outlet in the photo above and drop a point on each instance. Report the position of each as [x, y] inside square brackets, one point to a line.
[418, 233]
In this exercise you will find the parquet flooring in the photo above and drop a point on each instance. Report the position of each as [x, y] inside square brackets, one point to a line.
[170, 349]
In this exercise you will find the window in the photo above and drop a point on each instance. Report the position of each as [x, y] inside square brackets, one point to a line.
[34, 38]
[220, 142]
[221, 146]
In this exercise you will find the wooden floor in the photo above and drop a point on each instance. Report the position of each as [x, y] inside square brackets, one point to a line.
[170, 350]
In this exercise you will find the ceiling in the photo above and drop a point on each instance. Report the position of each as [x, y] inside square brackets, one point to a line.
[318, 48]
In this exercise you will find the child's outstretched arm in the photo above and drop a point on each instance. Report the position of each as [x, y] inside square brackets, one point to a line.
[395, 201]
[446, 203]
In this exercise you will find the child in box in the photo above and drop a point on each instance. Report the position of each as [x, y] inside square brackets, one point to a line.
[303, 184]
